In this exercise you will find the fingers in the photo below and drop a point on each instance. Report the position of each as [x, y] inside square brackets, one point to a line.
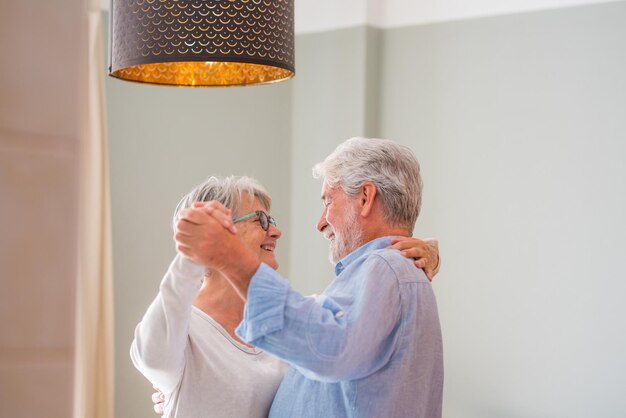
[425, 264]
[223, 217]
[158, 399]
[184, 234]
[200, 228]
[407, 243]
[414, 252]
[213, 204]
[422, 260]
[434, 243]
[185, 250]
[213, 208]
[190, 247]
[193, 219]
[422, 263]
[424, 252]
[195, 216]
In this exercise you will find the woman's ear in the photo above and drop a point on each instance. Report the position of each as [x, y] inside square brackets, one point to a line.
[367, 197]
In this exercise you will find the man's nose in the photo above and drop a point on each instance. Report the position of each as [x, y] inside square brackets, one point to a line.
[321, 223]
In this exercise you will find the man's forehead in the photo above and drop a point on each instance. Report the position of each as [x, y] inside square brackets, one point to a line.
[328, 191]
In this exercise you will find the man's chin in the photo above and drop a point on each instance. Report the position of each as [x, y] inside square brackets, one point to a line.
[334, 257]
[337, 254]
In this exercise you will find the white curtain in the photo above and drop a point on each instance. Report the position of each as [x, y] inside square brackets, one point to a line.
[93, 374]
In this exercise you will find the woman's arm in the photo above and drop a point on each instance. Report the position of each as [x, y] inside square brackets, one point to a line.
[158, 350]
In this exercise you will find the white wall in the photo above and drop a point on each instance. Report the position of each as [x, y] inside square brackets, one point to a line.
[326, 15]
[394, 13]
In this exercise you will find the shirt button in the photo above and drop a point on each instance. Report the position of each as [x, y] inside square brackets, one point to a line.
[340, 314]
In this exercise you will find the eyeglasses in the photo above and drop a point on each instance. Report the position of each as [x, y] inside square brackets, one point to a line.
[264, 219]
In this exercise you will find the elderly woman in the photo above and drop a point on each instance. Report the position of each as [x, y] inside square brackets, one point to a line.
[186, 343]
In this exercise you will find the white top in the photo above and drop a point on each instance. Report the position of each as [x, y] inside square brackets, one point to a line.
[200, 368]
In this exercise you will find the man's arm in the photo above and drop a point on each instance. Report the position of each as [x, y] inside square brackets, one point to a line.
[329, 338]
[346, 336]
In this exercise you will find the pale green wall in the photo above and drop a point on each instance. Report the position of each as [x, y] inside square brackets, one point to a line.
[162, 142]
[518, 122]
[329, 102]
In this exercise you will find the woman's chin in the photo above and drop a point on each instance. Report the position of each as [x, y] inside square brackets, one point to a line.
[270, 260]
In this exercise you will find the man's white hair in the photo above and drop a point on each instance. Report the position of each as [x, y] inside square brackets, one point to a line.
[393, 168]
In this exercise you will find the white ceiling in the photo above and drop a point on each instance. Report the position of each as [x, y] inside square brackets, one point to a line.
[323, 15]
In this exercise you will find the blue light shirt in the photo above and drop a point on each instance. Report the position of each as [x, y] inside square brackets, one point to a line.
[368, 346]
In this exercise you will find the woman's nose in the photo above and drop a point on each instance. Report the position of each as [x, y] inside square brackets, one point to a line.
[274, 232]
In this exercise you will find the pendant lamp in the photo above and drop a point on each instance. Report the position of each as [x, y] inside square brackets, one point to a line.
[196, 43]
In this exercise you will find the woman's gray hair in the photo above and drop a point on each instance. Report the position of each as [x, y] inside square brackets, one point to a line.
[393, 168]
[229, 191]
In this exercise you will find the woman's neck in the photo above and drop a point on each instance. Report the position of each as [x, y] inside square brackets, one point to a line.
[218, 299]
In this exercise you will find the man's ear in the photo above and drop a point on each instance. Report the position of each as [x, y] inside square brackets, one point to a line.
[367, 198]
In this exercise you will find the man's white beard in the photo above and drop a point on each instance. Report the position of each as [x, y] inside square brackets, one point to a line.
[344, 241]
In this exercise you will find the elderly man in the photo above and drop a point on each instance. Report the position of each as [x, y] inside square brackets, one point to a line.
[370, 344]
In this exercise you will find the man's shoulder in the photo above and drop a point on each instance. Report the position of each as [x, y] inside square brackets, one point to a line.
[404, 269]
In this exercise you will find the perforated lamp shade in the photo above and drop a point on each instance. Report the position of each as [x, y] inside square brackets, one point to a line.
[194, 43]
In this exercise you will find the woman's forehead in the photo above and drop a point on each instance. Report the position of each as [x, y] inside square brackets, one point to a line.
[250, 203]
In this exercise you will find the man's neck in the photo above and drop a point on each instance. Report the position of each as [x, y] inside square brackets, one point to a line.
[383, 231]
[369, 236]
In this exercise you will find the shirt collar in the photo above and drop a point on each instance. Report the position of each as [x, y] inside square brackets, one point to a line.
[375, 244]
